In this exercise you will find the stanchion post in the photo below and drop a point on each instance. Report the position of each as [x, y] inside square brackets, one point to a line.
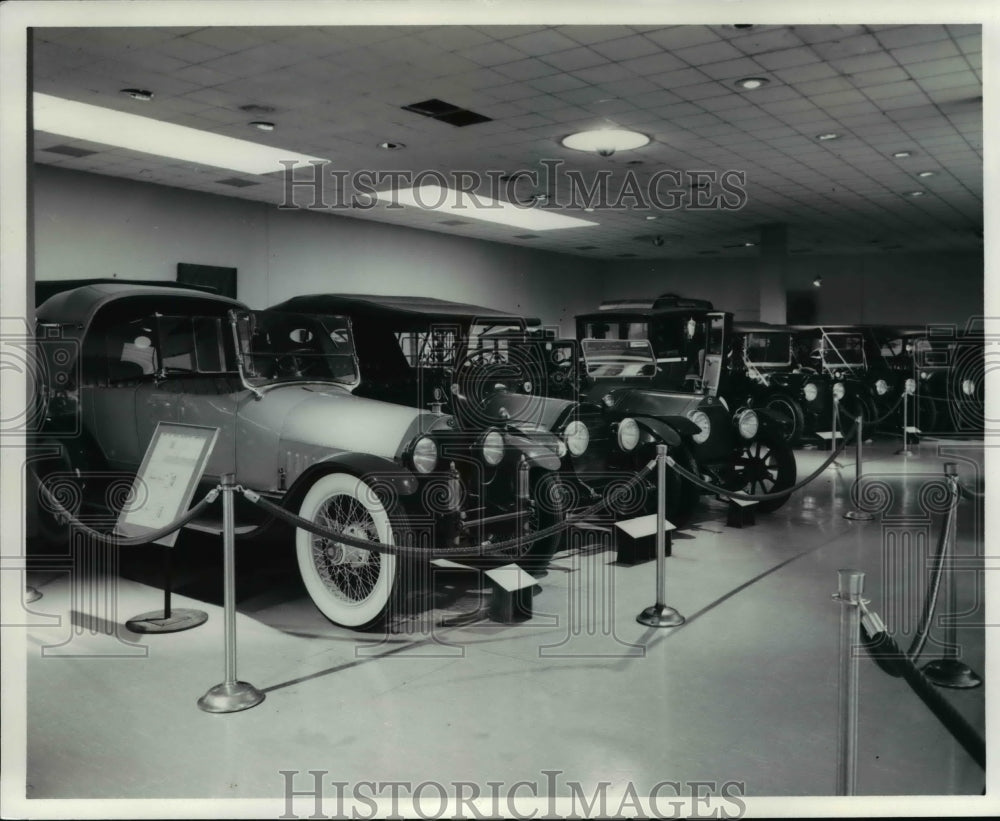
[660, 615]
[231, 695]
[951, 672]
[850, 586]
[905, 450]
[855, 514]
[834, 465]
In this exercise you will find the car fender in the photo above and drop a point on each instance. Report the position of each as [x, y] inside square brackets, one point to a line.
[664, 431]
[364, 466]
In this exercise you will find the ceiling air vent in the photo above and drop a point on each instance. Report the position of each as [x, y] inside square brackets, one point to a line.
[69, 151]
[446, 113]
[236, 182]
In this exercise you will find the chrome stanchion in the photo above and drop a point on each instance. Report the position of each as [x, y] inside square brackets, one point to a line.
[834, 465]
[854, 513]
[660, 615]
[905, 450]
[951, 672]
[850, 586]
[232, 695]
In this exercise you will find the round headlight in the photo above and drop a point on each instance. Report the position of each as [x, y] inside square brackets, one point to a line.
[968, 387]
[839, 391]
[628, 434]
[700, 418]
[810, 391]
[748, 424]
[910, 386]
[425, 455]
[493, 448]
[577, 437]
[527, 386]
[881, 387]
[560, 448]
[925, 375]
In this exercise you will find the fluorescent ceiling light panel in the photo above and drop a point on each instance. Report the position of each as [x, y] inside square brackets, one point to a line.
[478, 207]
[83, 121]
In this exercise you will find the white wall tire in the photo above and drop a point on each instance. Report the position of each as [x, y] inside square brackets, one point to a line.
[352, 587]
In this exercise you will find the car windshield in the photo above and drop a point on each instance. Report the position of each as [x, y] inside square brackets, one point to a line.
[768, 348]
[284, 347]
[616, 329]
[843, 349]
[616, 358]
[445, 344]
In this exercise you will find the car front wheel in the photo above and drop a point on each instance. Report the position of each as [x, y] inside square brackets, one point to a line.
[351, 586]
[789, 414]
[760, 467]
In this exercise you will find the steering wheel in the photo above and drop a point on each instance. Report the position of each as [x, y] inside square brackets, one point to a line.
[296, 363]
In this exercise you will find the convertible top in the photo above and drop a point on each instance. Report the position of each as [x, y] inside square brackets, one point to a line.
[379, 305]
[759, 327]
[76, 307]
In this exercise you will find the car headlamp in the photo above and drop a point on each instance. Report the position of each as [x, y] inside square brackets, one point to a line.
[968, 387]
[527, 386]
[700, 418]
[810, 391]
[910, 386]
[839, 391]
[748, 424]
[881, 387]
[925, 375]
[425, 455]
[628, 434]
[493, 448]
[577, 437]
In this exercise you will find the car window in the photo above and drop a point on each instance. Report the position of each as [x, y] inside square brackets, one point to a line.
[193, 344]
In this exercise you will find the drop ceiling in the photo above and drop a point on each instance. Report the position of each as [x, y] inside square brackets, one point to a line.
[338, 92]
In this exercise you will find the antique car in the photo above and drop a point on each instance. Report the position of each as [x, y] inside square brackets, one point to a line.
[484, 366]
[764, 373]
[280, 388]
[735, 446]
[945, 365]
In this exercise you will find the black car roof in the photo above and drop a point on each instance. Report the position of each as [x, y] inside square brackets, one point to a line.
[77, 306]
[429, 307]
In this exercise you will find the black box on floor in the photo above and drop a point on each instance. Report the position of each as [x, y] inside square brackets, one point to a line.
[741, 513]
[510, 601]
[636, 539]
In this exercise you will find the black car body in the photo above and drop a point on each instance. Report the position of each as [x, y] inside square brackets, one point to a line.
[737, 447]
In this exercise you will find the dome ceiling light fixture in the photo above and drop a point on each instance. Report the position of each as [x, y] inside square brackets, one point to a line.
[140, 94]
[605, 141]
[262, 125]
[828, 135]
[751, 83]
[902, 155]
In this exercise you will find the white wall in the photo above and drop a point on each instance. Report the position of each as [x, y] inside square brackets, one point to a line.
[89, 225]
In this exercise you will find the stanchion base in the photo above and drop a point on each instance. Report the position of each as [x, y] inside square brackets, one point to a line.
[230, 698]
[31, 594]
[859, 516]
[659, 615]
[951, 673]
[157, 621]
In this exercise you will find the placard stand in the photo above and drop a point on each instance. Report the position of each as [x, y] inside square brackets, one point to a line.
[170, 472]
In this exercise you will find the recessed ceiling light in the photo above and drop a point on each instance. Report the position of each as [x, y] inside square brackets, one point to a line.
[138, 94]
[750, 83]
[605, 141]
[146, 135]
[914, 193]
[589, 209]
[391, 146]
[487, 209]
[749, 244]
[652, 216]
[262, 125]
[901, 155]
[927, 173]
[829, 135]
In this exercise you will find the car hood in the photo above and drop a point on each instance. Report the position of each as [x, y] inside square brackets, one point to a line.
[331, 417]
[526, 411]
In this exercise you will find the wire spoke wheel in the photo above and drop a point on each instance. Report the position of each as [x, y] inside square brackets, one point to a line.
[762, 467]
[351, 586]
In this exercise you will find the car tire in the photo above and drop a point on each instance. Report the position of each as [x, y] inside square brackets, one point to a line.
[64, 479]
[352, 587]
[765, 465]
[548, 509]
[789, 414]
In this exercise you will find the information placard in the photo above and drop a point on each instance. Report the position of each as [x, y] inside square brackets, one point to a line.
[170, 472]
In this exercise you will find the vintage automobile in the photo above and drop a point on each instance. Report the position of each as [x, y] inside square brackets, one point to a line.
[280, 388]
[945, 365]
[735, 446]
[485, 367]
[765, 374]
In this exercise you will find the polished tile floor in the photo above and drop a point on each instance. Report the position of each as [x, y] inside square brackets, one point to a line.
[745, 691]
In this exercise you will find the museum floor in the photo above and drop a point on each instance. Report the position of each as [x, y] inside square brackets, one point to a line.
[745, 691]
